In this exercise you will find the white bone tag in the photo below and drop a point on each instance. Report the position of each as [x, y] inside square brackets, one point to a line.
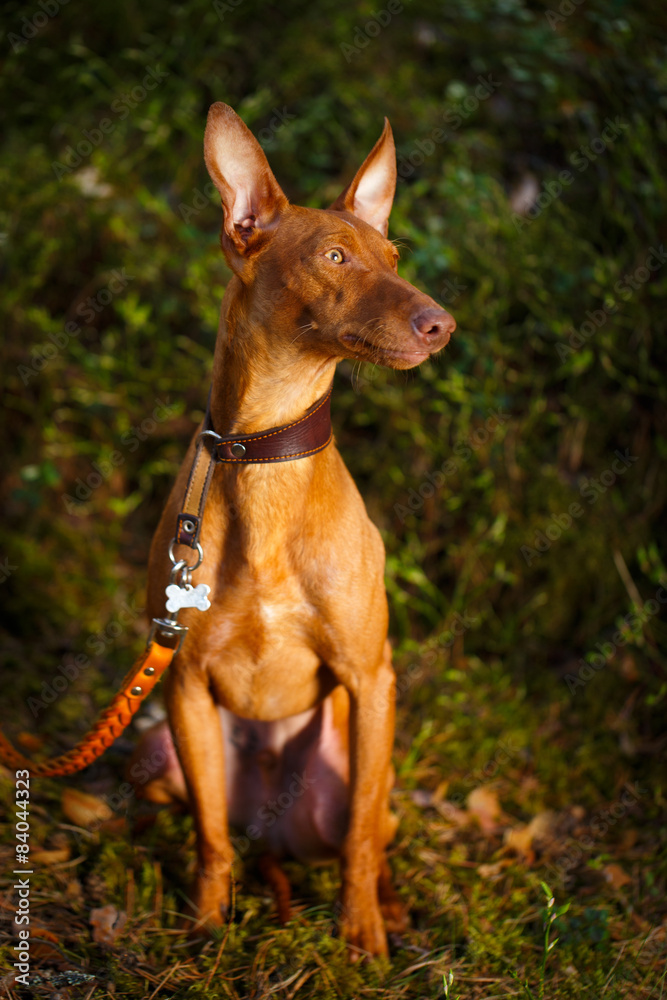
[188, 597]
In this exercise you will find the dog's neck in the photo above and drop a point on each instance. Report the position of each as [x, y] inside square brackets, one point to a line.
[260, 380]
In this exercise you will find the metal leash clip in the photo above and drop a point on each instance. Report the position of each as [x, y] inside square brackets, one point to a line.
[180, 594]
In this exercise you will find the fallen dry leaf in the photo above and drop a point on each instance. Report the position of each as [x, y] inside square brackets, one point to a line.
[48, 952]
[48, 938]
[54, 857]
[116, 826]
[628, 839]
[615, 875]
[441, 790]
[7, 982]
[452, 813]
[629, 669]
[83, 809]
[525, 194]
[107, 923]
[492, 870]
[30, 742]
[42, 932]
[426, 799]
[522, 838]
[482, 803]
[422, 798]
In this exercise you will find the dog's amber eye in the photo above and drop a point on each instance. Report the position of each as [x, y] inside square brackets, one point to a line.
[335, 255]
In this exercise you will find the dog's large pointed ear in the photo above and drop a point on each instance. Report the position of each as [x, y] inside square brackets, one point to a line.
[251, 196]
[371, 193]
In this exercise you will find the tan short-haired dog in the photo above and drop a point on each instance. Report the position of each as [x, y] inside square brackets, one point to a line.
[294, 647]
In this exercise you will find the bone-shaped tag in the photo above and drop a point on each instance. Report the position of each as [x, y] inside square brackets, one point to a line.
[188, 597]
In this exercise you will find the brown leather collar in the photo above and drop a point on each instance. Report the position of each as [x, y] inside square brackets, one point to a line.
[306, 436]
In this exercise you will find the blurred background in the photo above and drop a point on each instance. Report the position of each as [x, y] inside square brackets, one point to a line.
[518, 479]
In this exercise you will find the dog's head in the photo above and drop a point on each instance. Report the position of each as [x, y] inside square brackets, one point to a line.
[325, 281]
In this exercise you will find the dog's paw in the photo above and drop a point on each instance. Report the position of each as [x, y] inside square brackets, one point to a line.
[209, 905]
[198, 922]
[395, 915]
[362, 927]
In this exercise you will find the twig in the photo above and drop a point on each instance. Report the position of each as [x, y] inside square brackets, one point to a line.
[163, 981]
[624, 574]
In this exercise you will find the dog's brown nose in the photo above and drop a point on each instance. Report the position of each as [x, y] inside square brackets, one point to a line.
[433, 327]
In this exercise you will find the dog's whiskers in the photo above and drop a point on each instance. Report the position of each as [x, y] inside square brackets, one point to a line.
[304, 330]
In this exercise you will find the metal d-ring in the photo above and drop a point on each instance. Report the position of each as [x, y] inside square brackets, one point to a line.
[180, 568]
[177, 562]
[211, 434]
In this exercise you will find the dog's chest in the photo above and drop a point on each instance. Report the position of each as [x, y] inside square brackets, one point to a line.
[263, 653]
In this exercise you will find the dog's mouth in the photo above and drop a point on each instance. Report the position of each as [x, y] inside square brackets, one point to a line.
[364, 349]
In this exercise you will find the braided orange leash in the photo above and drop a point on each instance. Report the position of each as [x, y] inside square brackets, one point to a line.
[309, 434]
[138, 684]
[150, 666]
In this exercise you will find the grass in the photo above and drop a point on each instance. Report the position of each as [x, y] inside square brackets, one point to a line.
[546, 922]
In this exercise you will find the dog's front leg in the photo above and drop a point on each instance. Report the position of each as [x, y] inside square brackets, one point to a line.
[372, 711]
[195, 726]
